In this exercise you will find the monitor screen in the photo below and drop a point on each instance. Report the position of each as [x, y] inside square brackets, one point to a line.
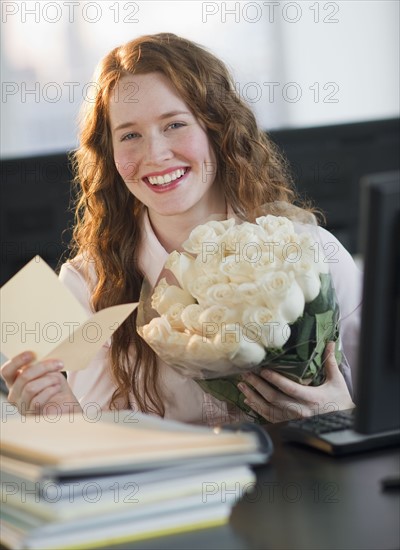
[378, 383]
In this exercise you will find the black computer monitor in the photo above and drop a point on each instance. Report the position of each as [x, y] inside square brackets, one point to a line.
[378, 382]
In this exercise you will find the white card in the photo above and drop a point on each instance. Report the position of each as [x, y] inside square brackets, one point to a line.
[40, 314]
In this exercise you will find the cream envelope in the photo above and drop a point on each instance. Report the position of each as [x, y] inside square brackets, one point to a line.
[40, 314]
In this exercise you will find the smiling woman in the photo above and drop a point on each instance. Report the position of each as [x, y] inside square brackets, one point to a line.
[167, 144]
[161, 150]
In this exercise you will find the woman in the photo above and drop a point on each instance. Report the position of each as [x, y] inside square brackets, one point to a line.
[166, 144]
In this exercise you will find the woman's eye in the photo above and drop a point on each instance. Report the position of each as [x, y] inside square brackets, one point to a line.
[129, 136]
[175, 125]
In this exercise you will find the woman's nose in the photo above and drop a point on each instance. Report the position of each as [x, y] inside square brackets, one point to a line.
[157, 150]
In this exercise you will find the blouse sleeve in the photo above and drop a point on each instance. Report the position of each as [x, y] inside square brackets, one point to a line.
[92, 386]
[347, 280]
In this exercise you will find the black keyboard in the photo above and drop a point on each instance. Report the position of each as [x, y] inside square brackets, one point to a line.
[334, 433]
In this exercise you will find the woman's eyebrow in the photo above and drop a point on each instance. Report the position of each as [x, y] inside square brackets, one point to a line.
[161, 117]
[173, 113]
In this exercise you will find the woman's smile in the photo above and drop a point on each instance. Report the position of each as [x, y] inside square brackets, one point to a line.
[161, 150]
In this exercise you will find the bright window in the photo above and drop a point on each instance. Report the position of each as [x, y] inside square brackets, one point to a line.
[296, 63]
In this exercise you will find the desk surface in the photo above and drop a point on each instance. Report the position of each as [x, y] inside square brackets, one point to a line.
[307, 500]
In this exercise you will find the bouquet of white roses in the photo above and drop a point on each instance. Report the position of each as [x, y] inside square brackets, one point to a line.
[243, 296]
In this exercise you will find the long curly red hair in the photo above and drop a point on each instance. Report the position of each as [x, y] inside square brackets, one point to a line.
[107, 224]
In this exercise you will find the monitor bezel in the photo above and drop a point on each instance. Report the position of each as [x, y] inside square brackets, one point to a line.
[378, 377]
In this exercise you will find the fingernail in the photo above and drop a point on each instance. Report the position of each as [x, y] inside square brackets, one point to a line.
[242, 387]
[58, 365]
[27, 356]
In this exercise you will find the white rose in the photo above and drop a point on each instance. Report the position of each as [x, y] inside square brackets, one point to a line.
[313, 251]
[169, 344]
[213, 317]
[254, 319]
[243, 241]
[158, 293]
[182, 266]
[173, 350]
[275, 224]
[237, 271]
[276, 333]
[247, 294]
[266, 327]
[199, 286]
[280, 291]
[174, 316]
[190, 318]
[174, 295]
[280, 248]
[270, 260]
[179, 339]
[241, 351]
[284, 236]
[308, 279]
[291, 252]
[201, 352]
[200, 237]
[172, 263]
[221, 227]
[156, 332]
[207, 264]
[201, 359]
[221, 293]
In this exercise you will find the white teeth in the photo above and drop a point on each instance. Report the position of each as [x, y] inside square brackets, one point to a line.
[161, 180]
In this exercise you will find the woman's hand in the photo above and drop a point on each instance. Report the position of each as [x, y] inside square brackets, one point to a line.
[33, 386]
[287, 400]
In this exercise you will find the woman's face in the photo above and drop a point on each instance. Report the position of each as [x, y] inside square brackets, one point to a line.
[161, 151]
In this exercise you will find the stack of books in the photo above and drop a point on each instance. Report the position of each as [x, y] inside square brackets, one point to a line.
[73, 483]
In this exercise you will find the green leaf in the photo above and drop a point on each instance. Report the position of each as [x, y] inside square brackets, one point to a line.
[325, 299]
[306, 337]
[225, 389]
[325, 327]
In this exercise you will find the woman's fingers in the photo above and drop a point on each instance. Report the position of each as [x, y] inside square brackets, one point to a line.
[273, 411]
[256, 402]
[262, 387]
[27, 373]
[269, 402]
[9, 370]
[278, 398]
[289, 387]
[42, 398]
[23, 394]
[332, 370]
[33, 386]
[30, 382]
[28, 391]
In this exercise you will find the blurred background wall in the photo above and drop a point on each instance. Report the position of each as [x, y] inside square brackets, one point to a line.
[298, 64]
